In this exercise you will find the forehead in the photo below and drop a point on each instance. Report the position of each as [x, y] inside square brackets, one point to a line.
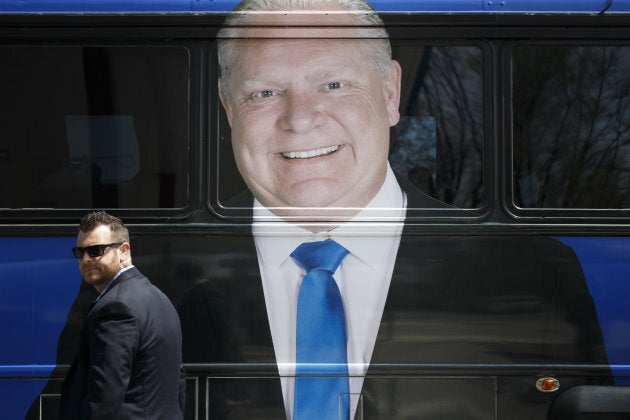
[255, 54]
[310, 38]
[283, 63]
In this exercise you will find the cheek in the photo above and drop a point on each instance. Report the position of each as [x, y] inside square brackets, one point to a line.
[113, 262]
[242, 144]
[256, 134]
[366, 110]
[251, 132]
[246, 155]
[370, 132]
[252, 156]
[365, 120]
[372, 155]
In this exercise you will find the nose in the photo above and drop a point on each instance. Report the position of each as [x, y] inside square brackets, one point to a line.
[85, 255]
[302, 112]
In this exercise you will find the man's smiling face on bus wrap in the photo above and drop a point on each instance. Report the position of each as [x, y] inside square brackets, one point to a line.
[310, 114]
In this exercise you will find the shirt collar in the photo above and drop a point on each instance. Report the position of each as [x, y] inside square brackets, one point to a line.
[107, 287]
[383, 216]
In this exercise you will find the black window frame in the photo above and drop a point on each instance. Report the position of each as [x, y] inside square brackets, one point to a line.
[534, 214]
[409, 36]
[87, 36]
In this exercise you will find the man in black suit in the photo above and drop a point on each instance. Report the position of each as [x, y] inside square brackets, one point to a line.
[128, 360]
[310, 93]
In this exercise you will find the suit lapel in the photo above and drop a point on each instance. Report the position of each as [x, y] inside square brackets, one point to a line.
[254, 318]
[407, 256]
[261, 397]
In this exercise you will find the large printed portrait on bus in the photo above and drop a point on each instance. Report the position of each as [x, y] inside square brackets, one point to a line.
[437, 146]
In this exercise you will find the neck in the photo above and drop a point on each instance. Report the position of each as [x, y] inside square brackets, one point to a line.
[316, 219]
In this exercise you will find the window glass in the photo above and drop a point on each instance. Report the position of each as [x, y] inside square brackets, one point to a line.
[439, 140]
[571, 126]
[438, 143]
[94, 126]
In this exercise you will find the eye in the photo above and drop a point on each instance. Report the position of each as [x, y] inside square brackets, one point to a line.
[266, 93]
[333, 85]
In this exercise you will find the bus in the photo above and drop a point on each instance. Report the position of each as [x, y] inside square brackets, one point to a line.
[510, 301]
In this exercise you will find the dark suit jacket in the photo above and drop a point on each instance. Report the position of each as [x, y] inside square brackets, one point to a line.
[486, 304]
[128, 360]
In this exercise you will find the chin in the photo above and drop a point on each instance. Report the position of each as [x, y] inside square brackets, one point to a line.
[315, 194]
[92, 281]
[310, 205]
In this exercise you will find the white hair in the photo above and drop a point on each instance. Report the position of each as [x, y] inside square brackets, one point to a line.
[375, 46]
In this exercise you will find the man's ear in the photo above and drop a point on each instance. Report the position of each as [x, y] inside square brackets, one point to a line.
[125, 246]
[391, 88]
[226, 106]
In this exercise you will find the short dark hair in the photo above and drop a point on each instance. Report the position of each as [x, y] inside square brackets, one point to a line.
[92, 220]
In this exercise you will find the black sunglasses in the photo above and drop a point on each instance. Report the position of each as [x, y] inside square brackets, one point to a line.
[93, 250]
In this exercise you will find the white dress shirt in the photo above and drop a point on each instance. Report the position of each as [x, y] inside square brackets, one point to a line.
[372, 238]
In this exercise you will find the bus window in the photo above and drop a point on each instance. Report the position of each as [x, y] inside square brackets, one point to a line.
[438, 143]
[439, 140]
[571, 126]
[100, 126]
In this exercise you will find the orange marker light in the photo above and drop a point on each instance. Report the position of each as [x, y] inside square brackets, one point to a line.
[547, 384]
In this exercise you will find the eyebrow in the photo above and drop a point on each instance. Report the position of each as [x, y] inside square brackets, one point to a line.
[332, 74]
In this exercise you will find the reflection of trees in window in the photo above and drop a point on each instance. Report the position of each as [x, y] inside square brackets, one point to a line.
[571, 126]
[445, 114]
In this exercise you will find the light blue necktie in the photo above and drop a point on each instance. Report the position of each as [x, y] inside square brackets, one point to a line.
[321, 383]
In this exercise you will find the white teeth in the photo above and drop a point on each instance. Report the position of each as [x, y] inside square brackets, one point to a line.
[310, 153]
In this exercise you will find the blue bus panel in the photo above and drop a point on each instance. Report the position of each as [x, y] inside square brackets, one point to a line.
[42, 294]
[607, 270]
[38, 283]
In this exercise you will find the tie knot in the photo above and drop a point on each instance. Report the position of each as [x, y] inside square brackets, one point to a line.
[324, 255]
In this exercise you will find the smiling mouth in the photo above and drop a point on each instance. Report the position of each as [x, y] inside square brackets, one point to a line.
[307, 154]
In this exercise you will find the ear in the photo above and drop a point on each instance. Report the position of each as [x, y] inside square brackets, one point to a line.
[226, 105]
[125, 251]
[391, 87]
